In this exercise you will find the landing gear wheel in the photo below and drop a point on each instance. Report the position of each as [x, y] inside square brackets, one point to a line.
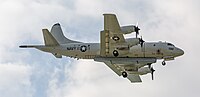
[115, 53]
[163, 63]
[124, 74]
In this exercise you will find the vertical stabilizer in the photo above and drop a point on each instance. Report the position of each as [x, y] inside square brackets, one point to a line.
[49, 40]
[57, 33]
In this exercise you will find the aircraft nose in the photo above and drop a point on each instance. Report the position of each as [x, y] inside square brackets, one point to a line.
[180, 52]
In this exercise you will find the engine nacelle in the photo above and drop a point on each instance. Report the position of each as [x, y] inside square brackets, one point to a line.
[144, 70]
[127, 29]
[132, 41]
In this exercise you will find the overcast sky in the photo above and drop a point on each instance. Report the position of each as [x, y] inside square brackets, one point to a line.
[32, 73]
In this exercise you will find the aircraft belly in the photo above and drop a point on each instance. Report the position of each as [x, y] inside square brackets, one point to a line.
[148, 50]
[79, 50]
[114, 60]
[79, 54]
[136, 51]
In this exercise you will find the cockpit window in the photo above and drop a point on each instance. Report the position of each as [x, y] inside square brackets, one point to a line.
[169, 44]
[171, 48]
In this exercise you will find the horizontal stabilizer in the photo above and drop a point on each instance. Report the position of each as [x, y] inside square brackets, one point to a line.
[49, 40]
[28, 46]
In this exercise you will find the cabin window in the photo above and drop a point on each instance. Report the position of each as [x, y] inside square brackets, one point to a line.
[171, 48]
[158, 51]
[169, 44]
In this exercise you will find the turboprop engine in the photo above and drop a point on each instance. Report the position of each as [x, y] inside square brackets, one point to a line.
[132, 41]
[129, 29]
[144, 70]
[129, 43]
[123, 49]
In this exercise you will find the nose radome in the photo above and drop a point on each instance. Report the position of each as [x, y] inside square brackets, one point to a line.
[180, 52]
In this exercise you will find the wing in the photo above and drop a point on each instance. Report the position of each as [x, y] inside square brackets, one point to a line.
[111, 37]
[134, 78]
[129, 65]
[111, 24]
[114, 67]
[118, 69]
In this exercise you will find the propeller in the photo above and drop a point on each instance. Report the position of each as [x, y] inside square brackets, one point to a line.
[141, 41]
[136, 29]
[152, 71]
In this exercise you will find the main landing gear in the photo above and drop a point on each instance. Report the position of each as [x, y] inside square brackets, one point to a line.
[124, 74]
[163, 63]
[115, 53]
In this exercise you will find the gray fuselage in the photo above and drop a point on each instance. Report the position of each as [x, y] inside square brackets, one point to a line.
[158, 50]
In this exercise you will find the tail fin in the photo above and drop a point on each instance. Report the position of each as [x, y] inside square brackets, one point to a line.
[57, 33]
[49, 40]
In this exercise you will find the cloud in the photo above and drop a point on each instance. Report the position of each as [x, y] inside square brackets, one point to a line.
[15, 80]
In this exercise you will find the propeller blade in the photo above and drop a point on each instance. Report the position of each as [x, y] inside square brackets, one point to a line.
[141, 41]
[152, 71]
[136, 29]
[149, 65]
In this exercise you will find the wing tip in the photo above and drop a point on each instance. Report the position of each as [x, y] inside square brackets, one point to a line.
[109, 14]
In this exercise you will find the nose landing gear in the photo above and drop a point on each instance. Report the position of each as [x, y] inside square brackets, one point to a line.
[163, 63]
